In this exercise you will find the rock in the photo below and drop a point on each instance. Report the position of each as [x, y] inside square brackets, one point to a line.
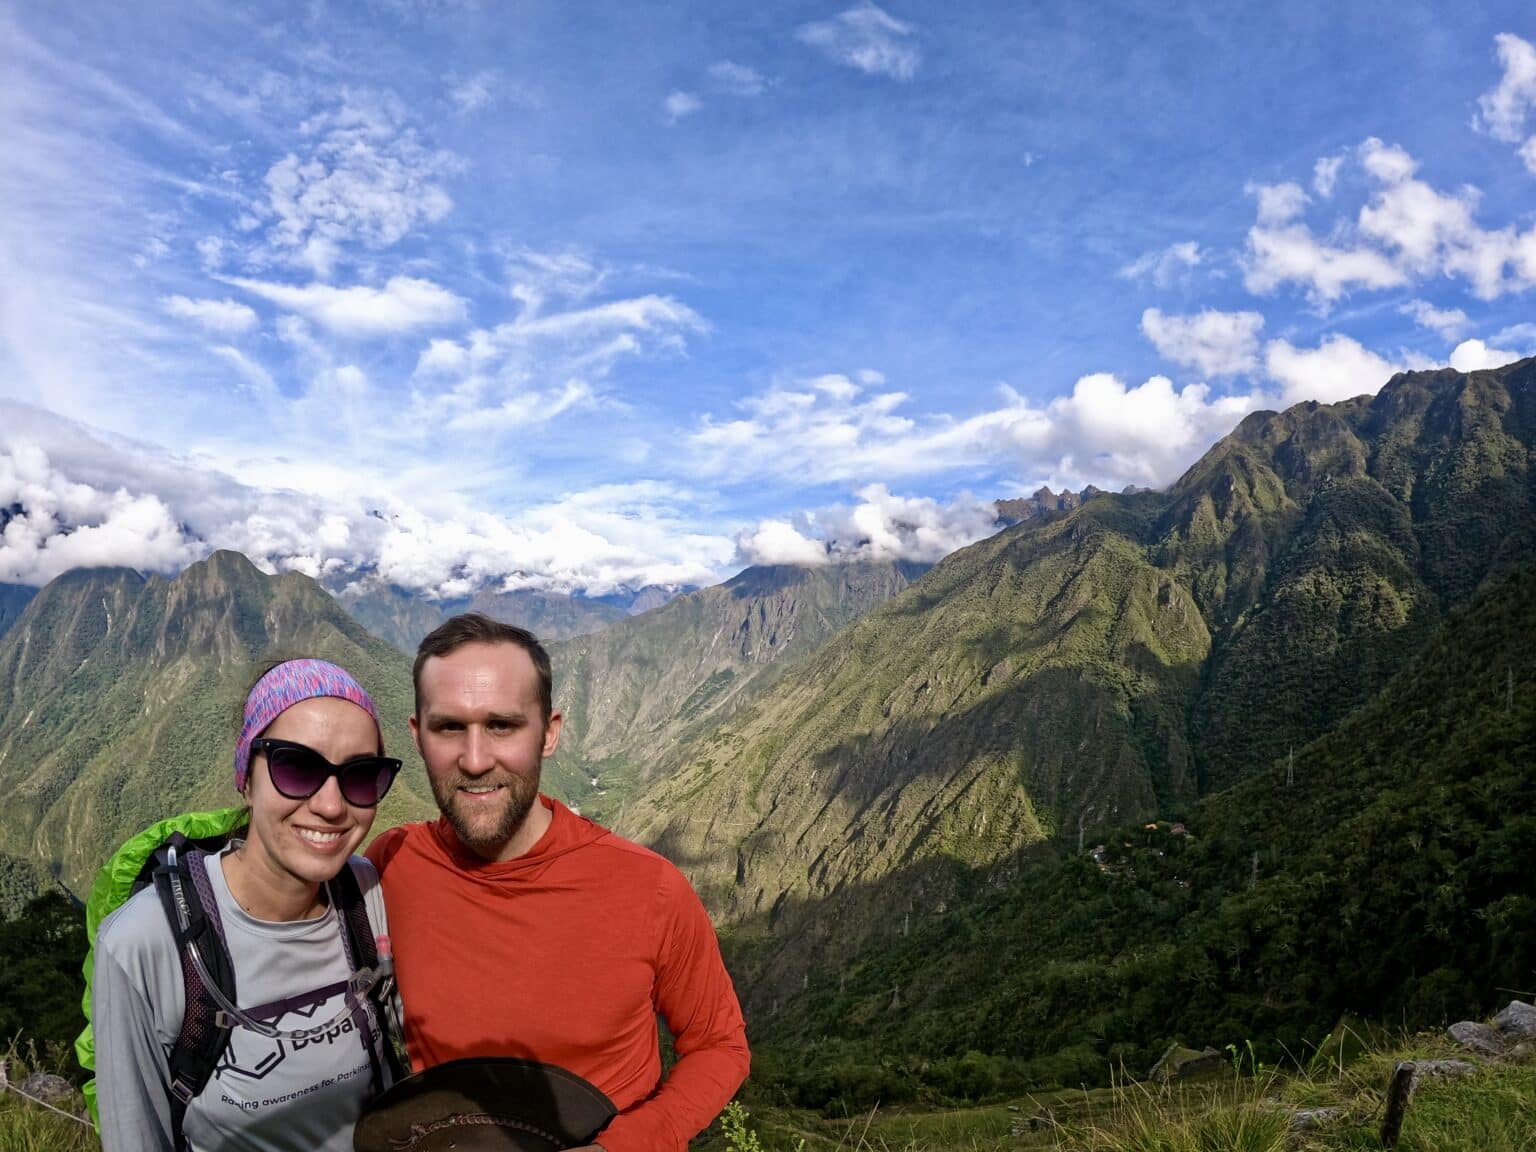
[47, 1087]
[1521, 1053]
[1185, 1063]
[1311, 1119]
[1442, 1070]
[1517, 1021]
[1477, 1038]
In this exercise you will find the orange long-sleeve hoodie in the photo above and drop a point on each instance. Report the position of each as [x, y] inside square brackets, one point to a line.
[566, 954]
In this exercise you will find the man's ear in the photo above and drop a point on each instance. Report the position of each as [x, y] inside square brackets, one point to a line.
[416, 735]
[552, 733]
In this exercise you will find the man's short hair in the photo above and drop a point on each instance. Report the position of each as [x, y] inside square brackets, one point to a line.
[478, 628]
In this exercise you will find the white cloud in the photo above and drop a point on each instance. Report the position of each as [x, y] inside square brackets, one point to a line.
[1165, 266]
[1283, 250]
[64, 524]
[225, 317]
[1528, 155]
[1448, 322]
[1337, 369]
[736, 79]
[402, 305]
[681, 104]
[780, 542]
[1407, 231]
[1502, 111]
[365, 180]
[92, 500]
[1476, 356]
[880, 527]
[828, 430]
[1213, 343]
[866, 38]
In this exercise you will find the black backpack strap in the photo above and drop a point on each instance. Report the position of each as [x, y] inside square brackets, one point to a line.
[193, 914]
[374, 1018]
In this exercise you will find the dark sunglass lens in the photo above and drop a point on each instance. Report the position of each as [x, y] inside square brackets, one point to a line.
[365, 782]
[297, 773]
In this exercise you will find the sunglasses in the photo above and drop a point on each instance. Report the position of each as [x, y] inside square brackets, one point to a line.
[298, 772]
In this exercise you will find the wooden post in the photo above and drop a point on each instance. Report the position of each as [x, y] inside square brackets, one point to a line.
[1398, 1092]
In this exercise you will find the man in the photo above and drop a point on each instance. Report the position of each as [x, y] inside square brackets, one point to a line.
[522, 929]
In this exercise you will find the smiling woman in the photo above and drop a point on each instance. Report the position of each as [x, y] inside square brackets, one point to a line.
[265, 938]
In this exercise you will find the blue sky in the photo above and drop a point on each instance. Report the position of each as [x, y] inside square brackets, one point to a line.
[581, 295]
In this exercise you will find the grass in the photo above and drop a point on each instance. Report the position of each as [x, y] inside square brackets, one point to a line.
[1492, 1111]
[28, 1127]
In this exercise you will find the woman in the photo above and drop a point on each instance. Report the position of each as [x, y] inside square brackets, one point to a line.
[303, 1048]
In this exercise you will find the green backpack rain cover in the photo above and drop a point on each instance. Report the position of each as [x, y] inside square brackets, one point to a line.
[123, 875]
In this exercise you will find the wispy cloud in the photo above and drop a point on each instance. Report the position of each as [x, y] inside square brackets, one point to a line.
[1448, 322]
[736, 79]
[475, 92]
[1165, 266]
[830, 430]
[866, 38]
[679, 105]
[1503, 110]
[225, 317]
[1211, 342]
[404, 304]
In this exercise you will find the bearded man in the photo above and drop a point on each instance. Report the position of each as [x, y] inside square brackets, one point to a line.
[522, 929]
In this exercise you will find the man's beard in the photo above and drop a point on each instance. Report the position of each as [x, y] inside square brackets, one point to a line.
[482, 836]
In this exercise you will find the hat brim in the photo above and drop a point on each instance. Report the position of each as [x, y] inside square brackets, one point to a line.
[501, 1104]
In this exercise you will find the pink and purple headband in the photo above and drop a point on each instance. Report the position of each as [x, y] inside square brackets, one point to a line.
[282, 688]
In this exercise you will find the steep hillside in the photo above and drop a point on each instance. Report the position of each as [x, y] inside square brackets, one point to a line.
[13, 600]
[119, 700]
[1111, 662]
[1383, 872]
[629, 693]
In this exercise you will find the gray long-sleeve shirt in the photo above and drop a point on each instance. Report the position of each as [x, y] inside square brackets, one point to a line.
[266, 1095]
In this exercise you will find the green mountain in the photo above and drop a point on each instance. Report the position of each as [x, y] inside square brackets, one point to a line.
[1384, 872]
[404, 617]
[21, 880]
[120, 700]
[631, 692]
[1103, 665]
[13, 600]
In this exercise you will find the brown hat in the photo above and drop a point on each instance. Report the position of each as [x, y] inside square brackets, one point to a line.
[484, 1105]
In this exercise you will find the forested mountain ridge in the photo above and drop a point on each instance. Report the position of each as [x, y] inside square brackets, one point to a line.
[631, 692]
[1383, 872]
[1110, 663]
[403, 617]
[120, 697]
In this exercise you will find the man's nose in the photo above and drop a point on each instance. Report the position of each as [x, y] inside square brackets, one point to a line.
[478, 757]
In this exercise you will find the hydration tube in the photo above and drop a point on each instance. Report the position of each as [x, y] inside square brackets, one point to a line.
[359, 984]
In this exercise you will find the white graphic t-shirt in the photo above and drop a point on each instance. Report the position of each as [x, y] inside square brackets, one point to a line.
[266, 1094]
